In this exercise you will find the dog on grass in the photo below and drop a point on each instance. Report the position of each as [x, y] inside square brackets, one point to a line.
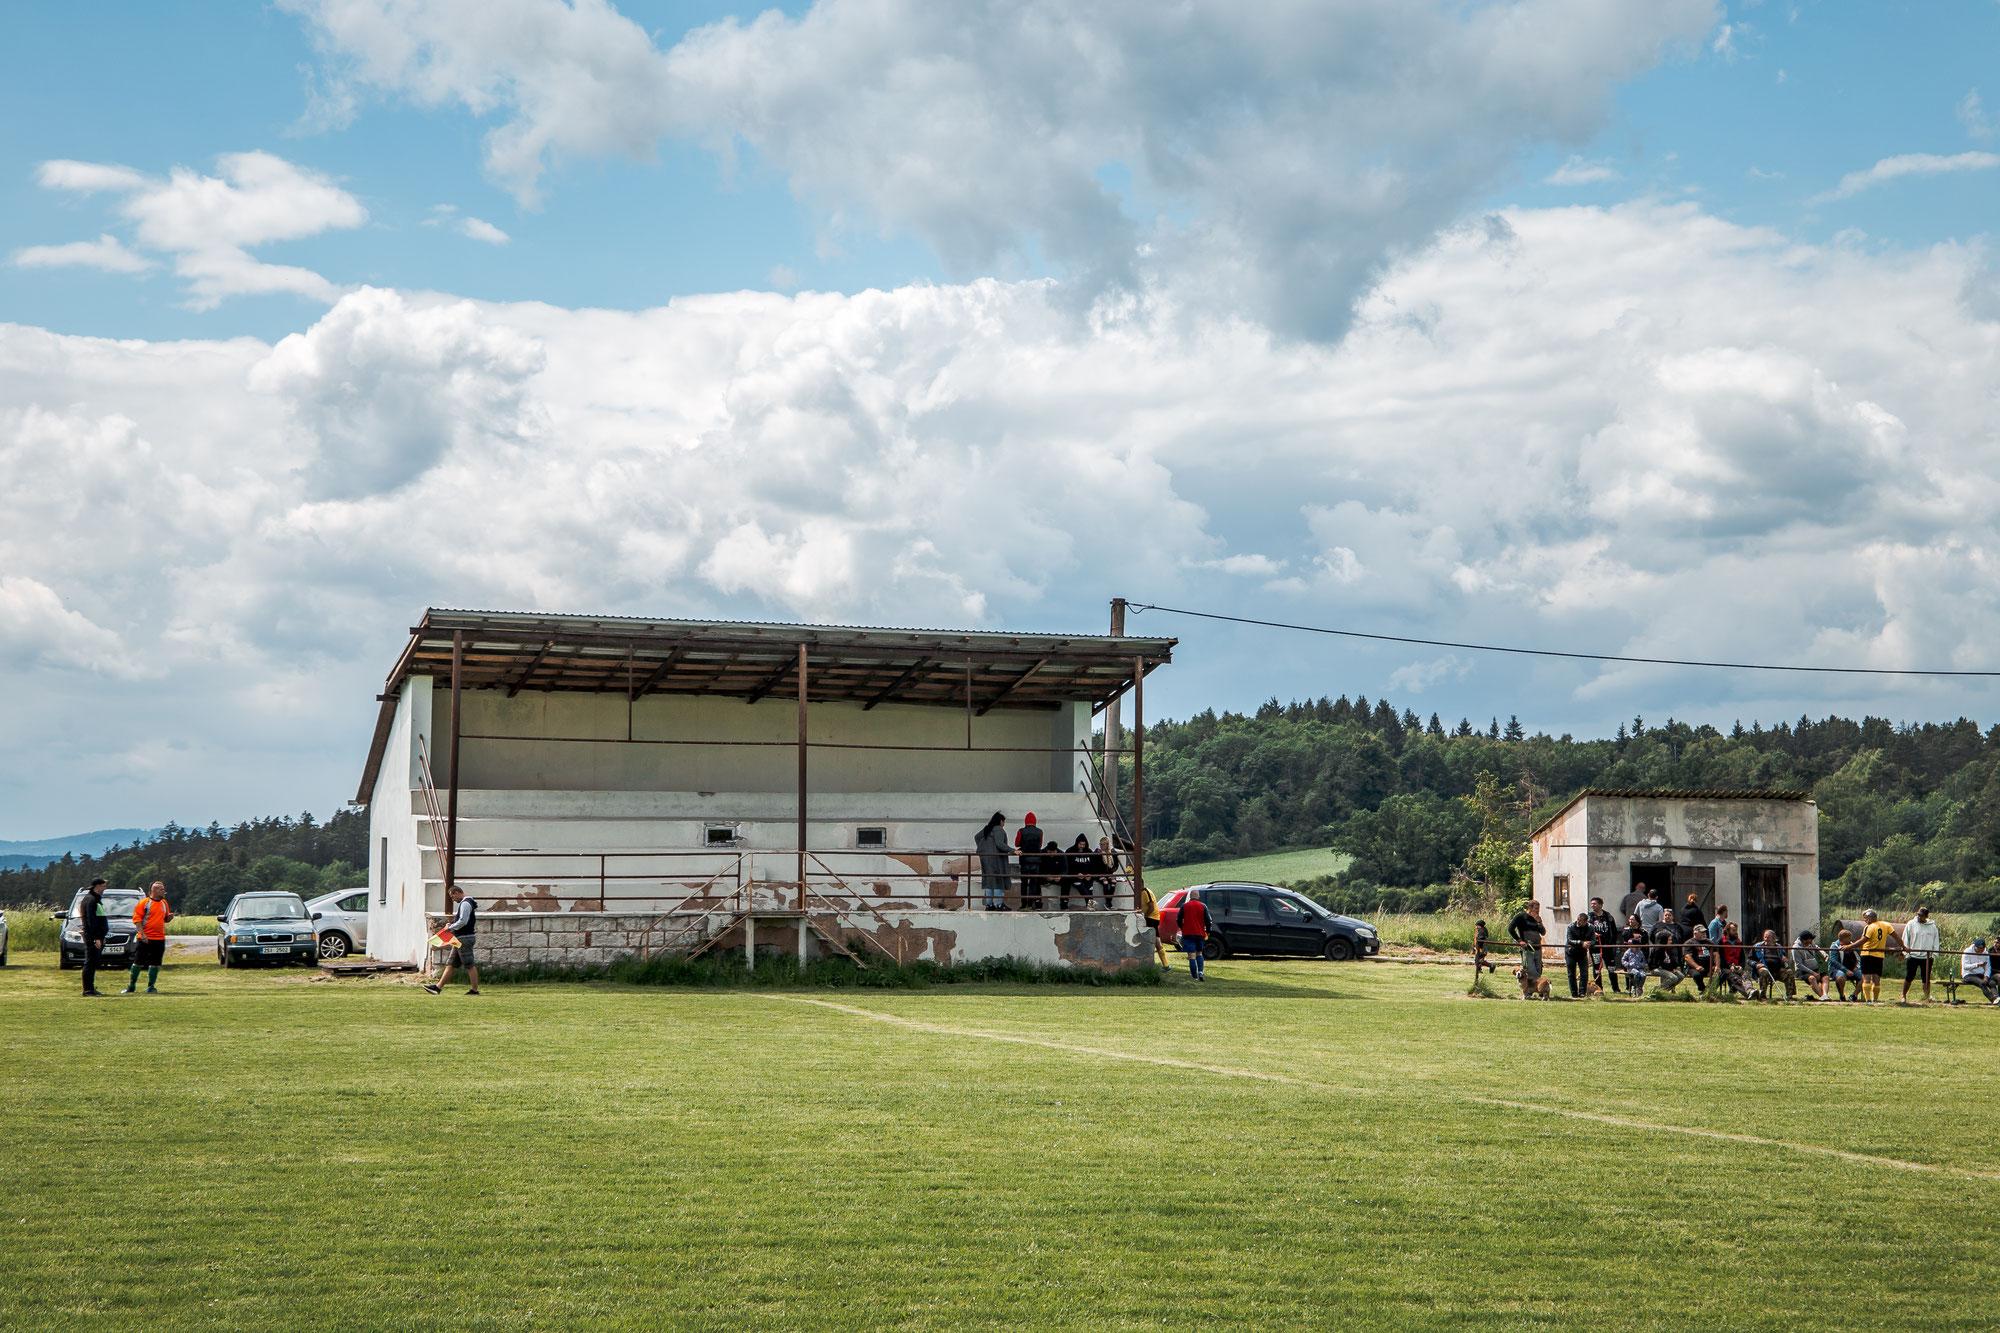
[1541, 986]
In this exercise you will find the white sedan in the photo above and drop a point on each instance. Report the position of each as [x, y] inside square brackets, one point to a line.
[341, 922]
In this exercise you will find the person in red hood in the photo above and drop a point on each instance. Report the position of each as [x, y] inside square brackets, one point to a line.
[1194, 933]
[1028, 842]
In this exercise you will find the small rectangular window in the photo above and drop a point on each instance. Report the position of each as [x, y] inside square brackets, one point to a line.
[719, 835]
[384, 881]
[871, 837]
[1562, 891]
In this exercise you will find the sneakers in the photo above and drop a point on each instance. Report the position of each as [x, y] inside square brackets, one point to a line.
[152, 990]
[435, 990]
[129, 990]
[472, 992]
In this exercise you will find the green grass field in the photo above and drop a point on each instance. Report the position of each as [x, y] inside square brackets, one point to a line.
[1270, 868]
[31, 929]
[1287, 1146]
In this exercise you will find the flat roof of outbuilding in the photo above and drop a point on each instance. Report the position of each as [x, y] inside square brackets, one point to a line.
[865, 664]
[1671, 794]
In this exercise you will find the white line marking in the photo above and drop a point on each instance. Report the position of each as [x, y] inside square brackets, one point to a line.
[1621, 1122]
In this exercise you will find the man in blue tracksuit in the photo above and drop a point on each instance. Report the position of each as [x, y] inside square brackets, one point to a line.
[463, 925]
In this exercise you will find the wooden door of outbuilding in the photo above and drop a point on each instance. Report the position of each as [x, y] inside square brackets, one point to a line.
[1766, 904]
[1698, 880]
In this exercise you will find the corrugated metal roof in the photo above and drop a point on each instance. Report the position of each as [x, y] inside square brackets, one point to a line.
[1675, 794]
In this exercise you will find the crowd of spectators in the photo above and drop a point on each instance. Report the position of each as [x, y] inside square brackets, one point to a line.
[1668, 947]
[1049, 873]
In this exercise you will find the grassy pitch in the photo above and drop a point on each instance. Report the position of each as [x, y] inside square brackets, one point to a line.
[1287, 1146]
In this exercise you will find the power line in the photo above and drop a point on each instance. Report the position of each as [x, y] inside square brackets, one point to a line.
[1553, 652]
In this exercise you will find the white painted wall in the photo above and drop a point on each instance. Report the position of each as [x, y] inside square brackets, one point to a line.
[396, 926]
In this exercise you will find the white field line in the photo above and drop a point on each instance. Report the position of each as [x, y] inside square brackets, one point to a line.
[1619, 1121]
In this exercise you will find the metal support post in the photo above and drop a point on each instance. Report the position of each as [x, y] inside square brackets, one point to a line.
[451, 800]
[802, 803]
[1114, 727]
[1138, 773]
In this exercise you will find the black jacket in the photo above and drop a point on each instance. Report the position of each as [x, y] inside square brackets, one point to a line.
[1579, 937]
[96, 924]
[1523, 926]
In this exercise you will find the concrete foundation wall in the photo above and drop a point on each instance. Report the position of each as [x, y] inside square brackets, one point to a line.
[1108, 941]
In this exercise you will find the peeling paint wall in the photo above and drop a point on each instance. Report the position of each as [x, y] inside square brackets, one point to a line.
[1105, 941]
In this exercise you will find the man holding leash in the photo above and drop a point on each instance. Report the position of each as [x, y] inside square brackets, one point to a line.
[151, 917]
[463, 926]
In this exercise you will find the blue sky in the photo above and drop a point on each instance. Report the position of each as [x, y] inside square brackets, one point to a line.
[1655, 327]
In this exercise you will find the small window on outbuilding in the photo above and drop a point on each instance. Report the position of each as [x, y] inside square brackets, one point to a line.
[871, 837]
[1561, 891]
[719, 835]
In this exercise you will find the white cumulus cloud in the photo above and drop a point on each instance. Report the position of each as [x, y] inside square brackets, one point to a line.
[107, 253]
[478, 229]
[209, 224]
[1581, 171]
[1907, 164]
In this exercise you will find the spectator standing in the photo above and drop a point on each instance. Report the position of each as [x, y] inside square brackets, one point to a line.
[1920, 946]
[1806, 964]
[1651, 910]
[95, 924]
[151, 917]
[1194, 934]
[1690, 916]
[1875, 944]
[1028, 842]
[464, 925]
[1630, 902]
[993, 849]
[1975, 968]
[1149, 907]
[1719, 926]
[1604, 937]
[1578, 945]
[1527, 930]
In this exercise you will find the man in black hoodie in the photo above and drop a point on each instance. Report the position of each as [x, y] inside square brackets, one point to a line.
[1604, 937]
[1577, 944]
[90, 909]
[1691, 916]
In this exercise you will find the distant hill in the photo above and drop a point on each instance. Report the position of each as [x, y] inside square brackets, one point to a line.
[45, 851]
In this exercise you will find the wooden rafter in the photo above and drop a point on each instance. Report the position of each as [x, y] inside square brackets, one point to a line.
[1009, 687]
[883, 695]
[514, 686]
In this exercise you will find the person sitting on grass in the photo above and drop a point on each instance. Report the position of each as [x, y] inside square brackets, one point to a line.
[464, 922]
[1771, 963]
[1634, 960]
[1806, 963]
[1843, 964]
[1975, 968]
[1527, 930]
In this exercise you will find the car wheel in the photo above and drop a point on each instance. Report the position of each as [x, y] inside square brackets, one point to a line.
[222, 957]
[1214, 947]
[333, 944]
[63, 964]
[1340, 949]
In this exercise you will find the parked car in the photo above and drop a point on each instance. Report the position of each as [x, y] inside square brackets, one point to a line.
[3, 939]
[265, 927]
[1265, 919]
[341, 922]
[118, 905]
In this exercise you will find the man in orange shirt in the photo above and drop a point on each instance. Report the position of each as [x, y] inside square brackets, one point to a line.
[151, 917]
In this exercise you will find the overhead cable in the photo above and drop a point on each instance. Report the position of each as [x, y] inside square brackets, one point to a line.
[1556, 652]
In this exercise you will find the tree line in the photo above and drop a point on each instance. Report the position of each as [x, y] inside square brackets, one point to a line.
[205, 867]
[1905, 811]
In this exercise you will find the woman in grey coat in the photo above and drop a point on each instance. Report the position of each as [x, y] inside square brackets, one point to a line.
[994, 849]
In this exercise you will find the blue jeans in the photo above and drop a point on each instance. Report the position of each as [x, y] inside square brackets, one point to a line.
[1192, 944]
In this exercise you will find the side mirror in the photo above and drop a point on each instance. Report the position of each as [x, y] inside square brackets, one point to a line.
[315, 916]
[58, 916]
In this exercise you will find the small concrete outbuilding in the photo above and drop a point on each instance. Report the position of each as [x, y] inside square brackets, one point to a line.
[1755, 852]
[607, 786]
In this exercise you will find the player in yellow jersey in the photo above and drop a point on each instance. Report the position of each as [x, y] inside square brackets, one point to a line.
[1875, 943]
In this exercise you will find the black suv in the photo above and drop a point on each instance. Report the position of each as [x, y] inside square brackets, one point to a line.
[1262, 918]
[117, 906]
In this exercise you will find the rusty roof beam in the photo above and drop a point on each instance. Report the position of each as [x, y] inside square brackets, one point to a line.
[514, 686]
[882, 696]
[1010, 686]
[771, 682]
[661, 671]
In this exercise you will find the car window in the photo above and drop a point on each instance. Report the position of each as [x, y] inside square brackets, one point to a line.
[354, 902]
[1287, 910]
[1237, 902]
[269, 908]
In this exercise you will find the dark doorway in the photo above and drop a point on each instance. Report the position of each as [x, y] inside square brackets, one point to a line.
[1700, 881]
[1649, 875]
[1766, 904]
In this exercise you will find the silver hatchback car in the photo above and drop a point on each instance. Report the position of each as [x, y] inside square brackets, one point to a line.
[341, 922]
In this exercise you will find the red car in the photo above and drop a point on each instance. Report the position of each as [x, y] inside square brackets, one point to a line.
[1265, 919]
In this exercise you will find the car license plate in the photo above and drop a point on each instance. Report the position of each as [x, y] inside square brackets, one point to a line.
[278, 949]
[114, 948]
